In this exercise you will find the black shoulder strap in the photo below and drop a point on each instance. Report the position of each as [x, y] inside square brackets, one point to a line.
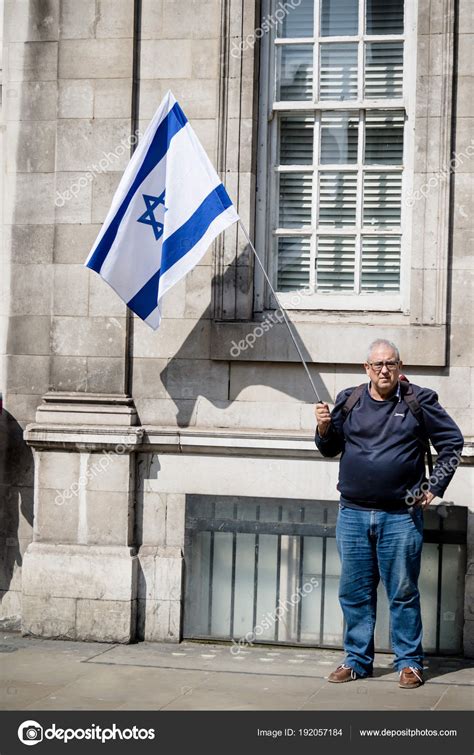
[352, 400]
[410, 400]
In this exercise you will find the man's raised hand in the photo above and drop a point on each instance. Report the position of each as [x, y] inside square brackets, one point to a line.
[323, 417]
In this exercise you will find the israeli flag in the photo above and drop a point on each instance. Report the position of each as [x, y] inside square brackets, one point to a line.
[168, 208]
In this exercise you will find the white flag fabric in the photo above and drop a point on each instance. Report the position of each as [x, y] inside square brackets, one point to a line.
[168, 208]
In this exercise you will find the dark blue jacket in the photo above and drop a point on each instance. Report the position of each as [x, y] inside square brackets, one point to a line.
[382, 447]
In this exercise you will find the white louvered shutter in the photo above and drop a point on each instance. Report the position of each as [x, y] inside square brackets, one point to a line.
[384, 16]
[380, 268]
[298, 21]
[296, 139]
[293, 263]
[296, 193]
[335, 263]
[382, 199]
[337, 198]
[339, 135]
[339, 17]
[383, 70]
[338, 208]
[384, 137]
[338, 75]
[296, 73]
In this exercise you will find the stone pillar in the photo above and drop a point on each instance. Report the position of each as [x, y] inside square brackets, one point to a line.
[65, 137]
[80, 571]
[160, 528]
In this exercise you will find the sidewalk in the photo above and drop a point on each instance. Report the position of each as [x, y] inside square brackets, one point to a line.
[41, 674]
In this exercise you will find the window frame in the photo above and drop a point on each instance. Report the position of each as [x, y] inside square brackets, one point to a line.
[267, 170]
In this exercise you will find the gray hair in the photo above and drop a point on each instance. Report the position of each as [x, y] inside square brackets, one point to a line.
[383, 342]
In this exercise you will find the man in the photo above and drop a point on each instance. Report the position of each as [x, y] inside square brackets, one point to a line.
[383, 487]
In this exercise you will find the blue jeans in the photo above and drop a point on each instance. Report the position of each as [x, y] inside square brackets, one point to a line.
[374, 544]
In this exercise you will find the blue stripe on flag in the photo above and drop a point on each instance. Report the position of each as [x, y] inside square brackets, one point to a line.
[179, 244]
[169, 126]
[188, 234]
[145, 301]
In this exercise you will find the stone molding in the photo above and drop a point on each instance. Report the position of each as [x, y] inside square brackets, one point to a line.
[236, 157]
[78, 421]
[59, 426]
[430, 242]
[245, 443]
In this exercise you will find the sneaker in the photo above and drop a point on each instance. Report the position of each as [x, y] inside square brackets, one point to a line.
[410, 677]
[343, 673]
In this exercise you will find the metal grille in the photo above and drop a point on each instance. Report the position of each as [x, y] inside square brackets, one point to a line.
[268, 571]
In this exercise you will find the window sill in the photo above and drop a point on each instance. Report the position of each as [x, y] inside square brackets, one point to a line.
[341, 342]
[293, 300]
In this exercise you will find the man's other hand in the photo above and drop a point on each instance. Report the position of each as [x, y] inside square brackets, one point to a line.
[425, 499]
[323, 417]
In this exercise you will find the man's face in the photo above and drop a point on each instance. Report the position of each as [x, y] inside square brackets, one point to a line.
[383, 378]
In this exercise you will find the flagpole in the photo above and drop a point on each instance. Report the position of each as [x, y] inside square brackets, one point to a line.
[129, 322]
[287, 321]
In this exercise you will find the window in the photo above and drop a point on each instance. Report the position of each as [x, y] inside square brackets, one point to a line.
[338, 108]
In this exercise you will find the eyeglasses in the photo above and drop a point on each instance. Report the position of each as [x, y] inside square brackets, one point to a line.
[377, 366]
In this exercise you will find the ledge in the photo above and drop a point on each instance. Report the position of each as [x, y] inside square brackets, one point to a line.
[154, 439]
[333, 343]
[86, 438]
[64, 422]
[229, 443]
[245, 443]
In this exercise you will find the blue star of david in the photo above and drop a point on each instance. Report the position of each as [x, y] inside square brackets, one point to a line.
[148, 217]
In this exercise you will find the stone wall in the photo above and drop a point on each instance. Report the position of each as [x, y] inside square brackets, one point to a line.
[67, 89]
[68, 94]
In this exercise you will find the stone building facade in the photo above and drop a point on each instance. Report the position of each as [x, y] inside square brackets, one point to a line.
[127, 453]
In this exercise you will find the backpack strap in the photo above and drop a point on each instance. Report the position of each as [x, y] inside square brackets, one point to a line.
[410, 400]
[352, 400]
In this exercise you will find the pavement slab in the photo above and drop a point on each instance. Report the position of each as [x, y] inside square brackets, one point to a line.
[40, 674]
